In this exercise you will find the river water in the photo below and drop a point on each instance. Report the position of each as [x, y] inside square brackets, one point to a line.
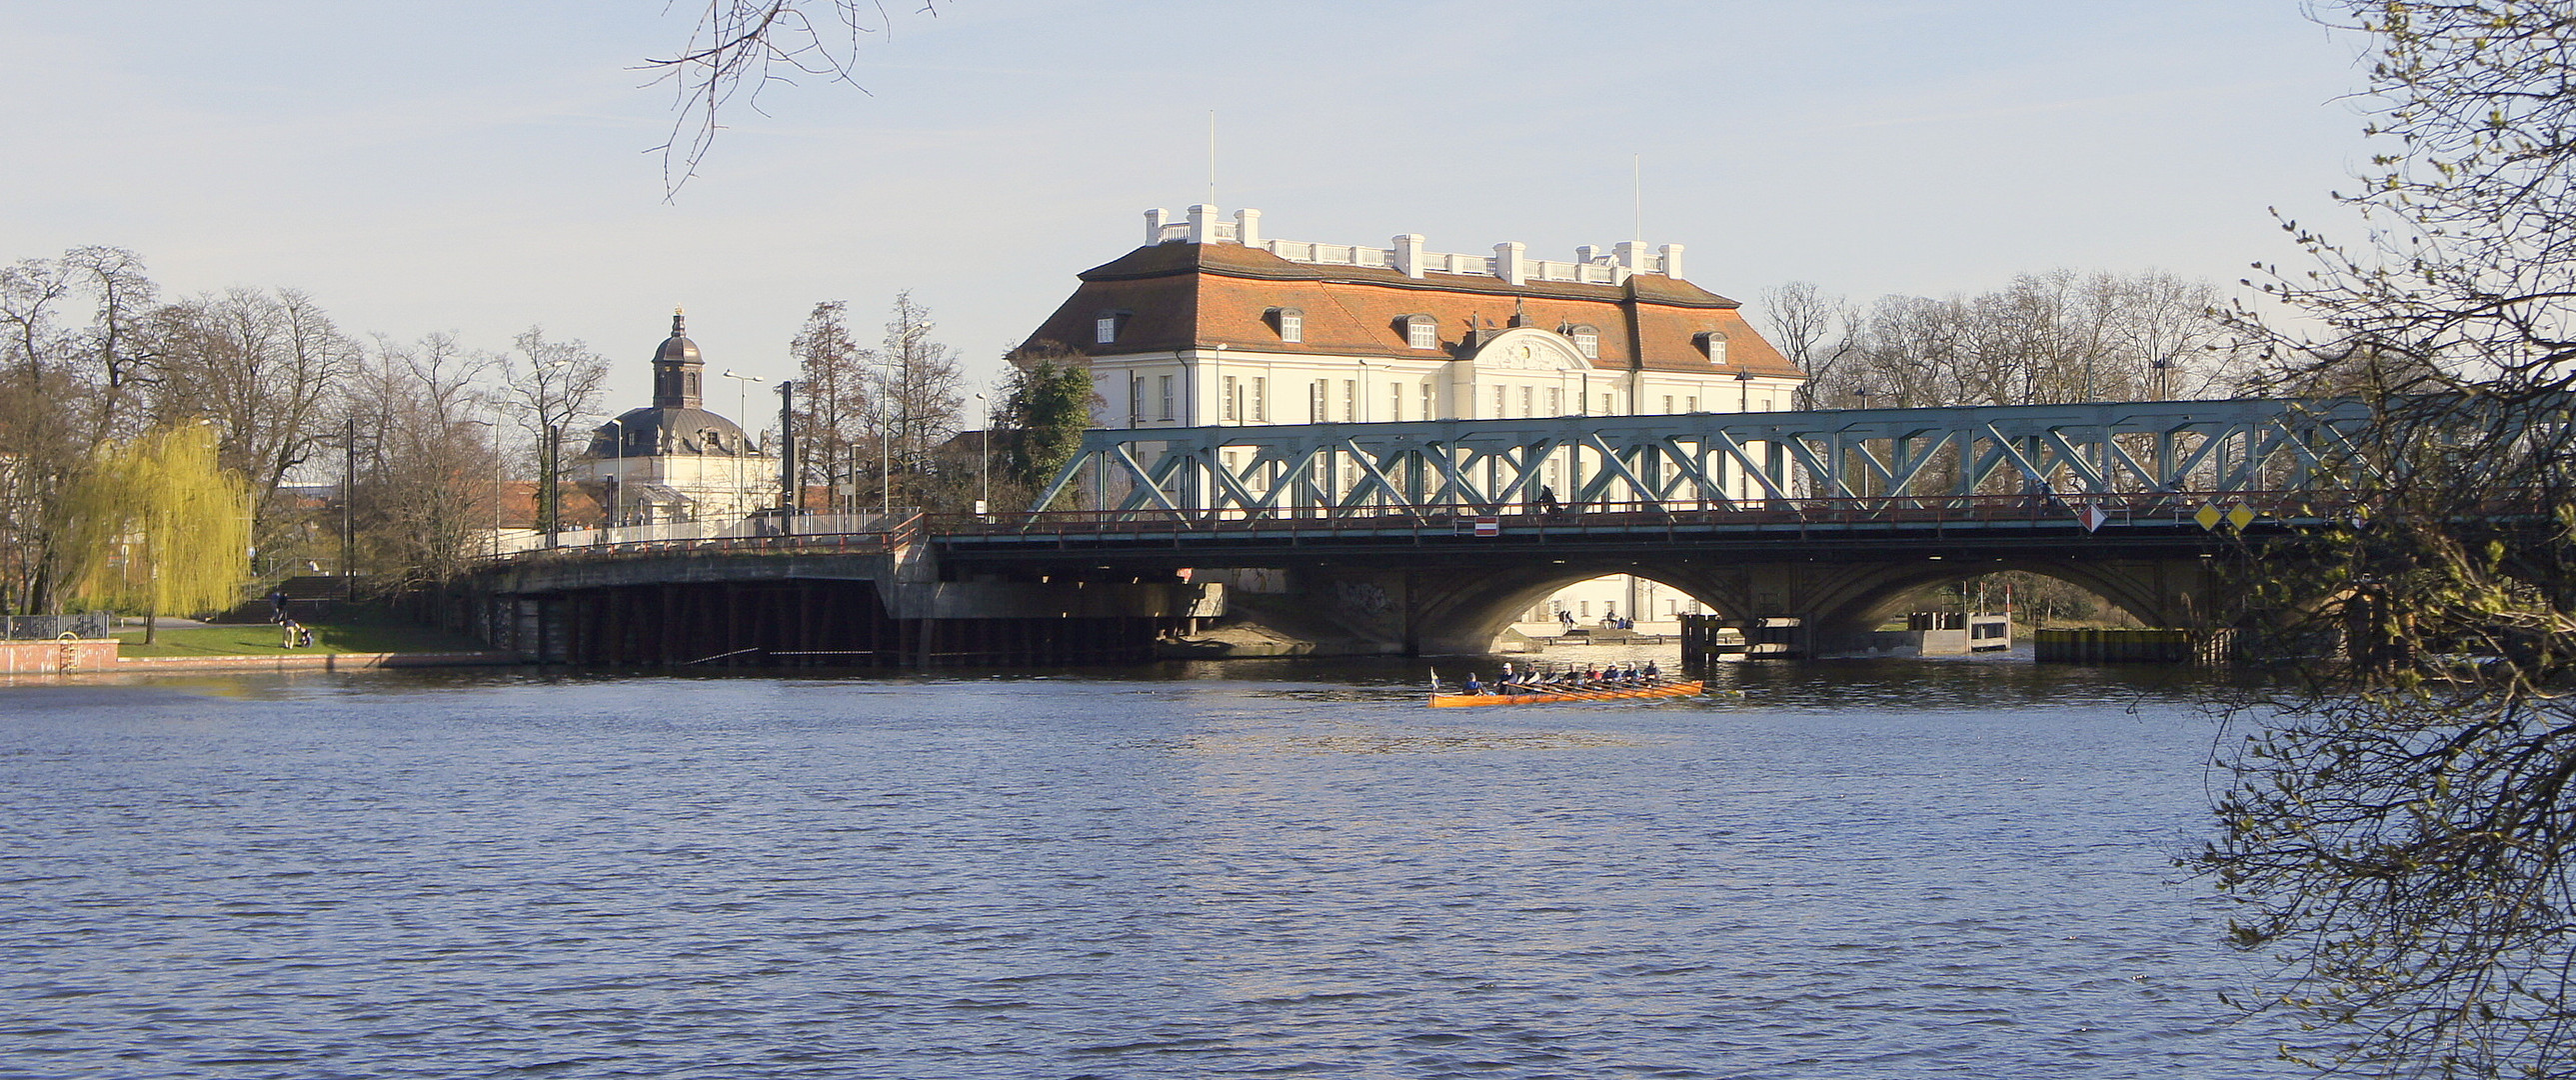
[1881, 869]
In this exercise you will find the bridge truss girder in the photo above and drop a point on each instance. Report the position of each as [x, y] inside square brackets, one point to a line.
[1721, 459]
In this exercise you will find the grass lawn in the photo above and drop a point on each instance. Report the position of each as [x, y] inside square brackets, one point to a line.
[262, 639]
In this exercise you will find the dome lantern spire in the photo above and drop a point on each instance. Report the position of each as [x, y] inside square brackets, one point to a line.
[677, 369]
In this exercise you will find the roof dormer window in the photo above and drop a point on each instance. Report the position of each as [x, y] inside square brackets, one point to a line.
[1713, 344]
[1106, 326]
[1587, 340]
[1421, 332]
[1290, 322]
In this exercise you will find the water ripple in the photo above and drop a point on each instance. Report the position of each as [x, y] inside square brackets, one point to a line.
[1200, 871]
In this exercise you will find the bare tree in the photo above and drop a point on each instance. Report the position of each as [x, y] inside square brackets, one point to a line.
[2059, 336]
[2400, 824]
[740, 47]
[919, 388]
[115, 348]
[39, 456]
[832, 386]
[428, 487]
[1816, 332]
[552, 384]
[259, 364]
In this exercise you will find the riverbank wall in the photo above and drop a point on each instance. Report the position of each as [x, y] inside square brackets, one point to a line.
[99, 656]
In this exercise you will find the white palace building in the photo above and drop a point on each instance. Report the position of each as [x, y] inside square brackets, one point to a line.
[1209, 322]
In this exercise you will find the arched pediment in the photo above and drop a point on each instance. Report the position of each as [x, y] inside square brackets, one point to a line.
[1528, 348]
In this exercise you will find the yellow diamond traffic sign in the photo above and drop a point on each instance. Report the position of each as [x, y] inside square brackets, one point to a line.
[2240, 517]
[2208, 517]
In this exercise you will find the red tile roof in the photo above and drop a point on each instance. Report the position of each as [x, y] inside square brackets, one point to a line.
[1182, 296]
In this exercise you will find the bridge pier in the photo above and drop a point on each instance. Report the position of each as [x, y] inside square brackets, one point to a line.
[889, 610]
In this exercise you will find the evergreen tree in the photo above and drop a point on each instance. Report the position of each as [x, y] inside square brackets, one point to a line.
[1044, 412]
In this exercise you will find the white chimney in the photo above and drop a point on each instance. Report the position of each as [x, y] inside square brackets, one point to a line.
[1408, 254]
[1672, 261]
[1154, 220]
[1586, 253]
[1511, 263]
[1625, 253]
[1202, 224]
[1247, 228]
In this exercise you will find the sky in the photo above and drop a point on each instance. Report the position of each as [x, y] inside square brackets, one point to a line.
[484, 166]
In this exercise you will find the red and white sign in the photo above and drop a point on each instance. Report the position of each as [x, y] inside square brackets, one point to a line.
[2092, 516]
[1486, 526]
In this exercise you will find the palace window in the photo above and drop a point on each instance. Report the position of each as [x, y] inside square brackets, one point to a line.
[1290, 322]
[1232, 406]
[1714, 344]
[1529, 401]
[1315, 401]
[1587, 340]
[1420, 332]
[1556, 401]
[1165, 386]
[1395, 402]
[1261, 400]
[1428, 413]
[1106, 325]
[1498, 403]
[1668, 404]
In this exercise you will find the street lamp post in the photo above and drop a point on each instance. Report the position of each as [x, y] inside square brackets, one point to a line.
[617, 475]
[787, 493]
[550, 467]
[984, 458]
[741, 401]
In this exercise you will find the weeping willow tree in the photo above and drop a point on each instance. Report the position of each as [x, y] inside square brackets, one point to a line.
[162, 526]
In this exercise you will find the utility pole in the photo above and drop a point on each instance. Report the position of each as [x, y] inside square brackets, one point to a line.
[787, 457]
[348, 519]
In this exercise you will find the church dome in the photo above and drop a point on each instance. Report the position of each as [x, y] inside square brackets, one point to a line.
[655, 431]
[677, 423]
[677, 348]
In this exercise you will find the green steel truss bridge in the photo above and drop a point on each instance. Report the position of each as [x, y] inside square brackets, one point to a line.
[1891, 458]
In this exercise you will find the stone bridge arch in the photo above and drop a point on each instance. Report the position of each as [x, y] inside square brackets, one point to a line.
[1462, 609]
[1853, 599]
[1465, 612]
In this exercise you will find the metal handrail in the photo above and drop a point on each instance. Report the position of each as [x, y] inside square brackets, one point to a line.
[2164, 507]
[2120, 511]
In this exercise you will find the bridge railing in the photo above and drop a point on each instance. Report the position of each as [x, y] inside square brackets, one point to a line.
[765, 532]
[2164, 509]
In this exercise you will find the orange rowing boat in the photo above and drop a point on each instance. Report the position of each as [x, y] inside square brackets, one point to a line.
[1623, 693]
